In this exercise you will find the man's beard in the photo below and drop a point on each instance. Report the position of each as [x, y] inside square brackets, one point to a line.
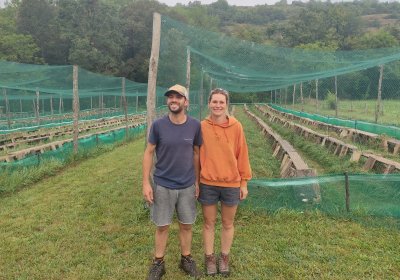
[177, 111]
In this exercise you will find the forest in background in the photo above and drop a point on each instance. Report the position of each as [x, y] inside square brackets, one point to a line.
[113, 37]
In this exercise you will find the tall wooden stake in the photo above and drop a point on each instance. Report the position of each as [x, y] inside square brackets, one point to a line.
[75, 107]
[301, 97]
[336, 98]
[153, 68]
[125, 108]
[188, 70]
[37, 107]
[379, 101]
[51, 105]
[201, 93]
[294, 93]
[7, 108]
[316, 94]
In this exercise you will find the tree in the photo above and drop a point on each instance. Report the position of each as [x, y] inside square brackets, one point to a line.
[13, 46]
[94, 33]
[138, 21]
[37, 18]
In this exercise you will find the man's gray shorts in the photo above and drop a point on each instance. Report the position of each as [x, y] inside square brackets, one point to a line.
[167, 200]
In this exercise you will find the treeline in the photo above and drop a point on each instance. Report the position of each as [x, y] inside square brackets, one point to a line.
[114, 36]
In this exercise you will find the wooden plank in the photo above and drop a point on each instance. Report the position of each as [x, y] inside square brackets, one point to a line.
[369, 164]
[389, 169]
[356, 155]
[396, 149]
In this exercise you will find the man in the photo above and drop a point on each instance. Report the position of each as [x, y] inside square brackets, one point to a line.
[176, 139]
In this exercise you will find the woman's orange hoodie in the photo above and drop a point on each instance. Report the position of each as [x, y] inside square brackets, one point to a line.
[224, 158]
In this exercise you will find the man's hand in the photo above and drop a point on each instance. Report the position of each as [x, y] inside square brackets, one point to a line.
[197, 190]
[148, 193]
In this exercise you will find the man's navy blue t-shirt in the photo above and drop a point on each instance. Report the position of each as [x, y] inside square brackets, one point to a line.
[174, 168]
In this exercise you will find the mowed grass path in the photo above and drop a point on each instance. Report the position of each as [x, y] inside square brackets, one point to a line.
[88, 222]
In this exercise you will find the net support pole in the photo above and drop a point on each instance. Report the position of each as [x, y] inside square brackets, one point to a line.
[137, 101]
[7, 106]
[102, 104]
[379, 100]
[20, 105]
[301, 97]
[316, 95]
[336, 98]
[125, 107]
[153, 68]
[75, 107]
[347, 189]
[51, 105]
[37, 109]
[201, 92]
[294, 93]
[188, 69]
[59, 106]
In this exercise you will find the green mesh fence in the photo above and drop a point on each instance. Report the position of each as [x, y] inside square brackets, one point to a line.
[392, 131]
[367, 194]
[297, 78]
[32, 95]
[66, 150]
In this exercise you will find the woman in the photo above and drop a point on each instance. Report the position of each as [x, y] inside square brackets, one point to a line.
[225, 170]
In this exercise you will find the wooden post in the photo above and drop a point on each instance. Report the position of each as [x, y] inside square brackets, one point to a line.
[7, 106]
[137, 101]
[286, 93]
[301, 97]
[316, 94]
[125, 108]
[102, 104]
[379, 100]
[188, 69]
[75, 107]
[37, 107]
[201, 92]
[347, 188]
[51, 105]
[294, 93]
[153, 68]
[59, 106]
[336, 98]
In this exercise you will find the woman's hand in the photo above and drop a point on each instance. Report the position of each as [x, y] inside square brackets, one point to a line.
[243, 192]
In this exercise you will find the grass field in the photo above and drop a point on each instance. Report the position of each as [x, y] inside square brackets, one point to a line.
[88, 222]
[355, 110]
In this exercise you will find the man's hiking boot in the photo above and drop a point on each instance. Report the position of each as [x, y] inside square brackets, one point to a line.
[223, 264]
[210, 264]
[188, 265]
[157, 270]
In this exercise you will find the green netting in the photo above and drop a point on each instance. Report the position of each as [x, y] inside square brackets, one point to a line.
[289, 77]
[40, 94]
[361, 125]
[66, 151]
[367, 194]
